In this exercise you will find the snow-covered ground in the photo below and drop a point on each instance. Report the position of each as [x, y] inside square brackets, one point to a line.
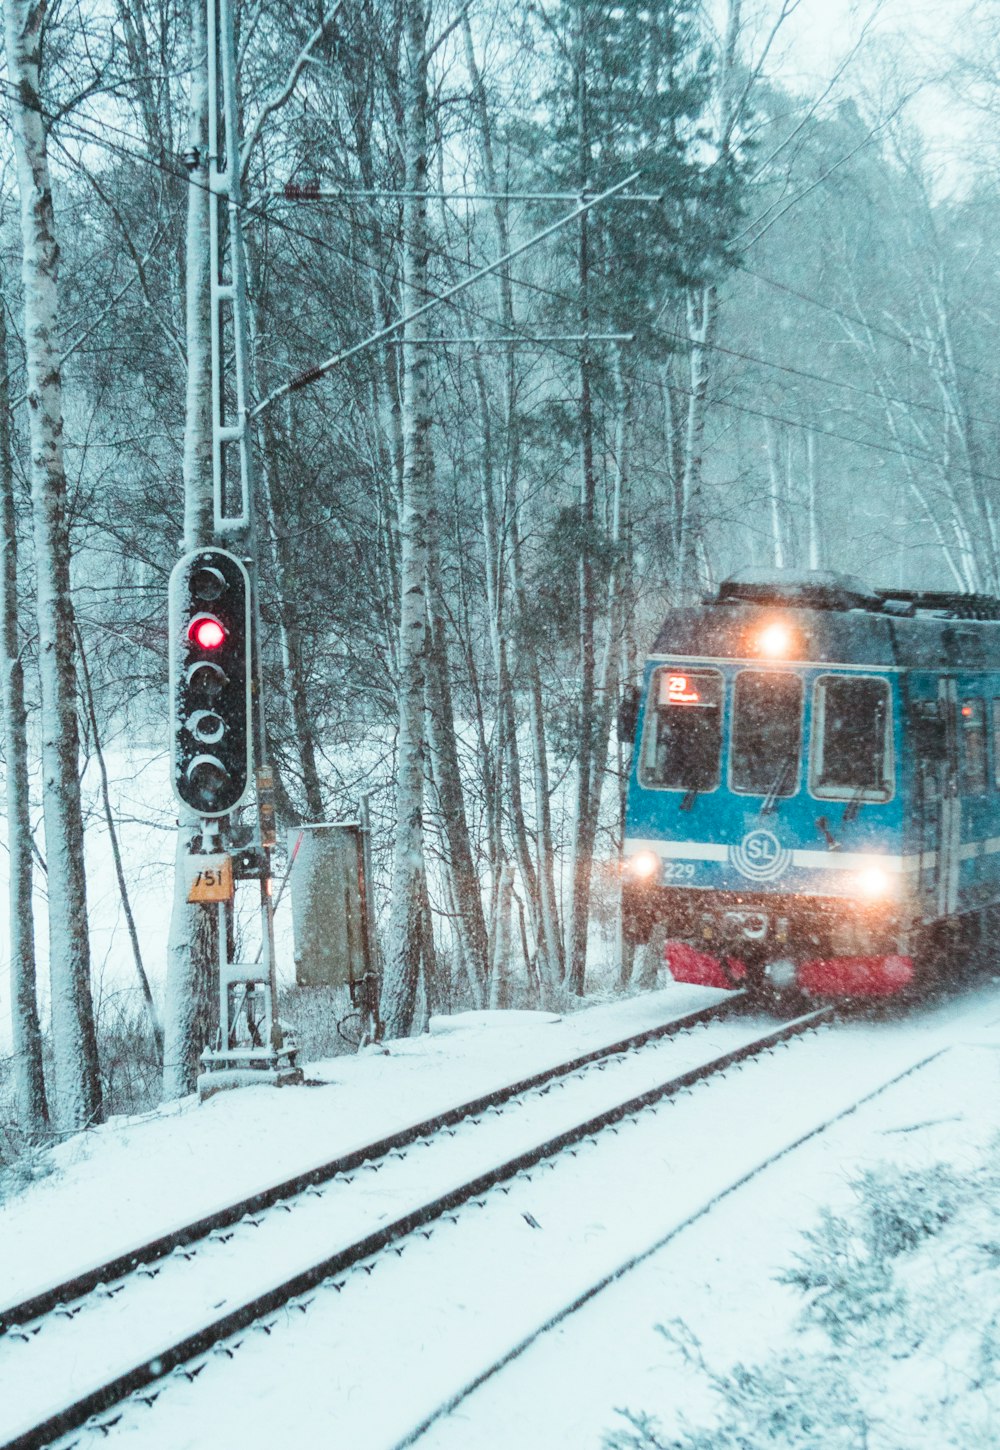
[134, 1178]
[484, 1289]
[145, 819]
[704, 1338]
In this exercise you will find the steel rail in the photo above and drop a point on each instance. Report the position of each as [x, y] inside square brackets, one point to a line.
[58, 1296]
[642, 1255]
[106, 1396]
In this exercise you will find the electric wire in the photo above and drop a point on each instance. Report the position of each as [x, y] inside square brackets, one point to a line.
[912, 344]
[260, 213]
[842, 383]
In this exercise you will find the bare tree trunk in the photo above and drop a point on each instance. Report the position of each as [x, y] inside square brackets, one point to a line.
[493, 761]
[774, 497]
[384, 380]
[538, 877]
[500, 976]
[465, 888]
[399, 987]
[579, 912]
[284, 563]
[77, 1100]
[631, 670]
[673, 450]
[815, 548]
[437, 983]
[191, 944]
[607, 675]
[550, 955]
[29, 1077]
[733, 89]
[535, 873]
[702, 306]
[116, 855]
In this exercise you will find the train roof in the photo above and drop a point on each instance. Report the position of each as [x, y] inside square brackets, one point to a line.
[837, 619]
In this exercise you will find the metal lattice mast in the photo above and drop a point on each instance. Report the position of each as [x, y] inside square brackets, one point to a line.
[233, 488]
[228, 279]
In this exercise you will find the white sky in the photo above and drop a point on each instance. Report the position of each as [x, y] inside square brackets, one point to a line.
[905, 45]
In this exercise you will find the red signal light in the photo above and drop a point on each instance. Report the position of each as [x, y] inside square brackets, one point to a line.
[206, 632]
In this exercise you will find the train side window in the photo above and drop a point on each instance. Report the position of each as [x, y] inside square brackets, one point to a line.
[996, 742]
[852, 739]
[682, 739]
[972, 746]
[767, 733]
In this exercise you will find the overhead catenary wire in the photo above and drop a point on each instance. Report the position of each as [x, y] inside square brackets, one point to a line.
[517, 340]
[913, 344]
[810, 376]
[823, 432]
[312, 374]
[306, 191]
[729, 405]
[259, 213]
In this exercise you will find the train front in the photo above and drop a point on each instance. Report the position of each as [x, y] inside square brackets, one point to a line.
[764, 827]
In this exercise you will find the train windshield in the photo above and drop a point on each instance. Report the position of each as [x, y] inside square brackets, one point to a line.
[852, 739]
[767, 733]
[683, 736]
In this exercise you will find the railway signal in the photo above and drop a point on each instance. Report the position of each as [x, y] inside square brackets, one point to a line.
[210, 680]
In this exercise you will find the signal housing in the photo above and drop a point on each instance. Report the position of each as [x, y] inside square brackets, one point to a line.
[210, 682]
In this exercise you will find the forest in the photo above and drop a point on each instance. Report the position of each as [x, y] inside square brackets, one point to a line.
[614, 306]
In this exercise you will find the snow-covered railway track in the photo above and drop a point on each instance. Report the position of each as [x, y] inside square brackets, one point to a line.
[64, 1296]
[390, 1353]
[82, 1361]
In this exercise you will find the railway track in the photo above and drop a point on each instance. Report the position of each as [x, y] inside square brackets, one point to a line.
[389, 1352]
[118, 1329]
[58, 1296]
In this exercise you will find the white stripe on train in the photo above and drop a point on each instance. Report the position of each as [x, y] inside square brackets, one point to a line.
[811, 860]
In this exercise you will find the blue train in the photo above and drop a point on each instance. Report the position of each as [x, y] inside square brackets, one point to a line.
[814, 795]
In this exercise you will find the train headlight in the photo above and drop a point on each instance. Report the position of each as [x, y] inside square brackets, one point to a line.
[643, 866]
[875, 883]
[775, 640]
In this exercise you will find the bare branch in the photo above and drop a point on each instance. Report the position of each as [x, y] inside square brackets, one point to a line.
[277, 101]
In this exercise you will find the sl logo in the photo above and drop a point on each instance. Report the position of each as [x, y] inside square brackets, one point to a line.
[760, 856]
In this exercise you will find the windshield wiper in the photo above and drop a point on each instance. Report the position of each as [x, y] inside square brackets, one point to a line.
[874, 764]
[770, 801]
[877, 783]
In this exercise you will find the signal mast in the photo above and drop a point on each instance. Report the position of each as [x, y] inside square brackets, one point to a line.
[217, 738]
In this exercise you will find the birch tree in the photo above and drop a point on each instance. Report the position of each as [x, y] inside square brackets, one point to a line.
[399, 989]
[77, 1095]
[29, 1079]
[507, 603]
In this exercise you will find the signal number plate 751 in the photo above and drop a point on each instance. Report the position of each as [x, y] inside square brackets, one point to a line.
[210, 878]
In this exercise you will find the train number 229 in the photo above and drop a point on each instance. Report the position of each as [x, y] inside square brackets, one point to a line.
[678, 870]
